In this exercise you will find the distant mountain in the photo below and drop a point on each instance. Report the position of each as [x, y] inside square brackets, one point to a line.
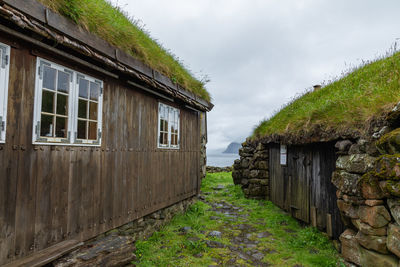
[233, 148]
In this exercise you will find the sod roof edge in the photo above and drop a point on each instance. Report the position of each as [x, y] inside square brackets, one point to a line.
[47, 17]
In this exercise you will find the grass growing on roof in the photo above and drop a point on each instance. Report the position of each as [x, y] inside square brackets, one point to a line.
[342, 106]
[289, 243]
[115, 26]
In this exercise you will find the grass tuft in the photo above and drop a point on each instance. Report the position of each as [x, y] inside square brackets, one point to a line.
[114, 25]
[345, 105]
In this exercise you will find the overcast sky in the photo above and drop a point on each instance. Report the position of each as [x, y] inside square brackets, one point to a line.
[261, 53]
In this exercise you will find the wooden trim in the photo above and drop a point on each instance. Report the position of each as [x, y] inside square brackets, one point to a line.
[147, 90]
[47, 255]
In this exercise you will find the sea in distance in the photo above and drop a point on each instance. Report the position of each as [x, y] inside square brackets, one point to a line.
[219, 159]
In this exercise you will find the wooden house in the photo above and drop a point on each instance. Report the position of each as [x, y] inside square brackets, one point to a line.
[90, 137]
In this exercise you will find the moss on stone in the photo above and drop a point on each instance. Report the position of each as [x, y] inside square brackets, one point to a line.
[393, 187]
[389, 143]
[388, 167]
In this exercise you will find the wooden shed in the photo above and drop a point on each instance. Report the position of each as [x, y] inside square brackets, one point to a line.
[90, 137]
[300, 183]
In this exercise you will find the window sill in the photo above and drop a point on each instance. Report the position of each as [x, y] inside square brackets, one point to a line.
[65, 144]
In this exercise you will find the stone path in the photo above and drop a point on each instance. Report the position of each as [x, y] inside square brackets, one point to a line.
[245, 248]
[226, 229]
[244, 244]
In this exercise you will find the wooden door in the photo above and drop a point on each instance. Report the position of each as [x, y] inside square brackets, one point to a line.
[276, 177]
[299, 175]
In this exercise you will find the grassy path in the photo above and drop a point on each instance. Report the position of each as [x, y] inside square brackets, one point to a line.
[225, 229]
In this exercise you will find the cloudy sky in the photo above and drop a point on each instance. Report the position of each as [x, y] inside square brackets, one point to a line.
[260, 53]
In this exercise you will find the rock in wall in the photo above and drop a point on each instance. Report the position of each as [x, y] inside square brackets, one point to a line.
[251, 170]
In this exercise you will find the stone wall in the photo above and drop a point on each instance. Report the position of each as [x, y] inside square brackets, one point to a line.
[212, 169]
[116, 247]
[251, 170]
[367, 177]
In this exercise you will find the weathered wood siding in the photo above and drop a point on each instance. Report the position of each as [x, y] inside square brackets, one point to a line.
[50, 194]
[305, 183]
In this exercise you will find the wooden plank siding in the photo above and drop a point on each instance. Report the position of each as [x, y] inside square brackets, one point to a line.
[304, 184]
[51, 194]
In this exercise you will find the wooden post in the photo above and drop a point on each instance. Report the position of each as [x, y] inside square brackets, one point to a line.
[329, 225]
[313, 216]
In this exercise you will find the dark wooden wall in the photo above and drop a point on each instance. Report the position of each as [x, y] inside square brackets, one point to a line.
[305, 183]
[49, 194]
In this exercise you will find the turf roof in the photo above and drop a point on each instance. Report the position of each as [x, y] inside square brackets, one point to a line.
[116, 27]
[349, 106]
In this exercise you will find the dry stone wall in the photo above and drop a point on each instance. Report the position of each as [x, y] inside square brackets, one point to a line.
[117, 247]
[367, 178]
[251, 170]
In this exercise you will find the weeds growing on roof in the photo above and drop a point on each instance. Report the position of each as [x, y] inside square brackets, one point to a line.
[115, 26]
[345, 103]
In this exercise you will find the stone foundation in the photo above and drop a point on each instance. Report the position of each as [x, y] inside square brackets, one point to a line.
[251, 170]
[367, 178]
[117, 247]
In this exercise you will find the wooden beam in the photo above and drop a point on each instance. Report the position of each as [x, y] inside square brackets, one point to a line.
[56, 51]
[47, 255]
[329, 225]
[313, 216]
[150, 91]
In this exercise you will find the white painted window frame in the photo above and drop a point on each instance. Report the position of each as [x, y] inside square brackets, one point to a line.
[170, 110]
[71, 139]
[283, 155]
[4, 80]
[99, 114]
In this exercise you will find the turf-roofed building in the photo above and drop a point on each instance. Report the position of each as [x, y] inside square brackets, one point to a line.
[331, 159]
[99, 127]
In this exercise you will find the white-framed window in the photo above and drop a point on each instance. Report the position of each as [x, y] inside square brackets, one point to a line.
[168, 126]
[68, 106]
[283, 152]
[4, 76]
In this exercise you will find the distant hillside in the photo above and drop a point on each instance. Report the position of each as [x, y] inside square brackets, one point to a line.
[233, 148]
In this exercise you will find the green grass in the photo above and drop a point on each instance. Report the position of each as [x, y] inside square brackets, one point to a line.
[344, 106]
[119, 29]
[293, 244]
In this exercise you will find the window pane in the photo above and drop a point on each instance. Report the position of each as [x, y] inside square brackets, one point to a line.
[81, 129]
[165, 139]
[62, 104]
[161, 138]
[48, 101]
[94, 91]
[93, 130]
[93, 111]
[49, 78]
[82, 109]
[83, 88]
[46, 126]
[61, 127]
[174, 140]
[63, 82]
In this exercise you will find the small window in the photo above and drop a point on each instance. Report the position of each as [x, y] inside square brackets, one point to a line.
[67, 106]
[283, 155]
[4, 72]
[168, 126]
[89, 112]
